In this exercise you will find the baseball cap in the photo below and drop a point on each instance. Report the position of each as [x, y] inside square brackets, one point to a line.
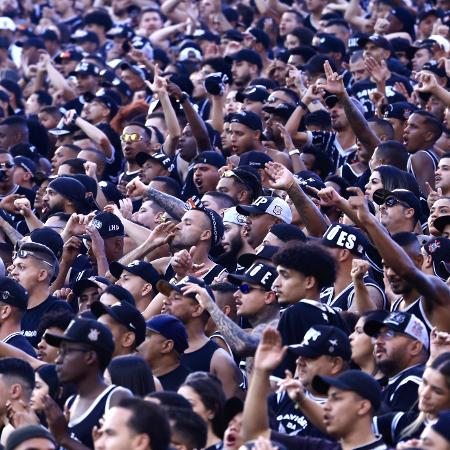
[287, 232]
[247, 118]
[32, 42]
[159, 157]
[274, 206]
[26, 163]
[120, 293]
[439, 250]
[264, 252]
[233, 35]
[253, 93]
[124, 313]
[81, 36]
[245, 177]
[345, 237]
[260, 35]
[258, 273]
[171, 328]
[401, 322]
[306, 178]
[68, 55]
[441, 222]
[210, 157]
[255, 159]
[96, 281]
[323, 340]
[12, 293]
[351, 380]
[27, 150]
[142, 269]
[105, 100]
[6, 23]
[403, 195]
[25, 433]
[376, 39]
[247, 55]
[50, 238]
[399, 110]
[86, 68]
[329, 43]
[283, 110]
[120, 31]
[108, 225]
[166, 288]
[315, 64]
[231, 215]
[422, 15]
[204, 35]
[434, 67]
[84, 331]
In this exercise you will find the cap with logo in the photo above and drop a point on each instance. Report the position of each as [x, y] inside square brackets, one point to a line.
[166, 288]
[85, 68]
[26, 164]
[259, 273]
[403, 195]
[40, 251]
[231, 215]
[274, 206]
[439, 250]
[399, 110]
[260, 36]
[441, 222]
[84, 331]
[68, 55]
[253, 93]
[92, 282]
[81, 36]
[401, 322]
[105, 100]
[254, 159]
[126, 315]
[345, 237]
[306, 179]
[323, 340]
[247, 118]
[351, 380]
[249, 56]
[377, 39]
[12, 293]
[263, 252]
[210, 157]
[283, 110]
[249, 178]
[108, 225]
[171, 328]
[120, 293]
[328, 43]
[159, 157]
[142, 269]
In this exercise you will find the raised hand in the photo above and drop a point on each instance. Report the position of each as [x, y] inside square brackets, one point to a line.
[90, 169]
[201, 294]
[329, 196]
[270, 351]
[159, 85]
[378, 71]
[23, 206]
[162, 233]
[439, 343]
[57, 422]
[359, 269]
[76, 225]
[20, 414]
[136, 188]
[358, 202]
[288, 144]
[427, 82]
[71, 250]
[8, 203]
[126, 208]
[432, 195]
[334, 83]
[293, 387]
[280, 177]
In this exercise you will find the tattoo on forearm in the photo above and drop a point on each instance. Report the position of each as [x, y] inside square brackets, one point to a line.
[174, 206]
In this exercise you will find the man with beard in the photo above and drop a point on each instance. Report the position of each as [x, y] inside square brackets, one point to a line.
[247, 65]
[401, 350]
[242, 185]
[34, 267]
[65, 194]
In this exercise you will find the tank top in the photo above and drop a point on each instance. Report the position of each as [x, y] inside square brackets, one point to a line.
[416, 308]
[81, 427]
[200, 360]
[431, 154]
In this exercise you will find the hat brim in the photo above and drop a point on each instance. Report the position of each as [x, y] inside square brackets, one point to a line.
[441, 222]
[237, 279]
[303, 351]
[246, 210]
[372, 327]
[247, 259]
[165, 288]
[55, 340]
[380, 196]
[83, 284]
[116, 269]
[99, 309]
[322, 384]
[142, 158]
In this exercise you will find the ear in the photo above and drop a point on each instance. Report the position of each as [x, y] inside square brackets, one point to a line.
[158, 217]
[310, 282]
[146, 289]
[167, 346]
[257, 134]
[15, 391]
[141, 442]
[42, 275]
[409, 213]
[271, 298]
[226, 310]
[342, 255]
[364, 407]
[128, 339]
[206, 235]
[337, 365]
[6, 312]
[198, 310]
[242, 196]
[415, 347]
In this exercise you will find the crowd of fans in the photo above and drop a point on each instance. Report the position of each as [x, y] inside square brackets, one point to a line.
[224, 225]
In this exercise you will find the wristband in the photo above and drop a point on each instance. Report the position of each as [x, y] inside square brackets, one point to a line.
[303, 105]
[295, 151]
[183, 97]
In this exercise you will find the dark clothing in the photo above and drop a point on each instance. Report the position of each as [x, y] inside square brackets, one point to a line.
[391, 426]
[19, 341]
[173, 380]
[417, 308]
[200, 360]
[33, 316]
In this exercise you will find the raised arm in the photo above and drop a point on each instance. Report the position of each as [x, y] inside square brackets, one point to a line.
[432, 288]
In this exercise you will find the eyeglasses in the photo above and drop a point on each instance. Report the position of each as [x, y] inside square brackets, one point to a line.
[387, 334]
[25, 253]
[6, 165]
[131, 137]
[65, 351]
[246, 288]
[392, 201]
[231, 174]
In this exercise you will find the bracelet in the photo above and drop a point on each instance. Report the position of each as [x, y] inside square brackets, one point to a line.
[295, 151]
[303, 105]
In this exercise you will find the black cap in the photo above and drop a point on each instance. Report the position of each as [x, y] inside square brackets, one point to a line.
[345, 237]
[439, 250]
[12, 293]
[283, 110]
[84, 331]
[26, 164]
[108, 225]
[275, 206]
[323, 340]
[105, 100]
[233, 35]
[258, 273]
[441, 222]
[254, 93]
[159, 157]
[442, 425]
[81, 36]
[255, 159]
[247, 178]
[86, 68]
[210, 157]
[42, 252]
[68, 55]
[249, 119]
[204, 35]
[399, 110]
[27, 150]
[264, 252]
[171, 328]
[99, 17]
[32, 42]
[110, 191]
[120, 293]
[377, 39]
[315, 64]
[142, 269]
[329, 43]
[351, 380]
[403, 195]
[25, 433]
[49, 237]
[166, 288]
[435, 67]
[287, 232]
[261, 36]
[120, 31]
[249, 56]
[124, 313]
[438, 13]
[96, 281]
[401, 322]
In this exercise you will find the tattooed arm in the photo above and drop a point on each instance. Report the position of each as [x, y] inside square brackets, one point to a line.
[172, 205]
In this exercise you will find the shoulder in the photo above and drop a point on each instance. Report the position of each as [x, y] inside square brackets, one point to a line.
[117, 394]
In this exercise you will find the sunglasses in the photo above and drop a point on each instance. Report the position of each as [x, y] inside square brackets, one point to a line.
[392, 201]
[246, 288]
[6, 165]
[25, 253]
[131, 137]
[231, 174]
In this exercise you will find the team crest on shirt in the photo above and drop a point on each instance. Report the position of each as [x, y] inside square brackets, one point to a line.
[93, 335]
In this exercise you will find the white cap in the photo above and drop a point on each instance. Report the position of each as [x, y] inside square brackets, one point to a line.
[275, 206]
[7, 23]
[231, 215]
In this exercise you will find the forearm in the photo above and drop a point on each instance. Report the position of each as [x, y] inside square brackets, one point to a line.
[198, 126]
[359, 124]
[361, 301]
[135, 231]
[139, 252]
[60, 83]
[159, 36]
[294, 121]
[313, 411]
[168, 6]
[442, 94]
[154, 308]
[12, 234]
[7, 350]
[33, 222]
[96, 135]
[315, 222]
[172, 205]
[297, 163]
[170, 117]
[255, 421]
[61, 278]
[242, 343]
[102, 263]
[216, 115]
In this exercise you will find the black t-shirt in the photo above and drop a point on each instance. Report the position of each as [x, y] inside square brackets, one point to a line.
[32, 318]
[19, 341]
[114, 165]
[173, 380]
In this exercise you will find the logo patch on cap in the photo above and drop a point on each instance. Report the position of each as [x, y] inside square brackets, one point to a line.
[311, 335]
[277, 210]
[93, 335]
